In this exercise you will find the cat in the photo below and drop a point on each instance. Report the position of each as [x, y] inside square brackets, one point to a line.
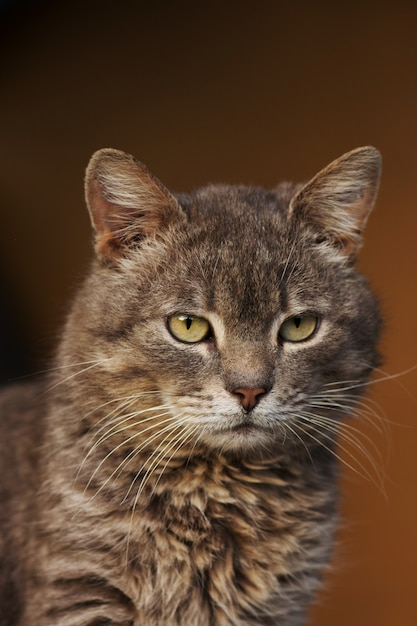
[178, 464]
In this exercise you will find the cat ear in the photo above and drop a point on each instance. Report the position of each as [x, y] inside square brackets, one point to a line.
[339, 199]
[126, 202]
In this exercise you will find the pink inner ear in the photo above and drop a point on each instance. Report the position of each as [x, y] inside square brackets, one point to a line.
[117, 226]
[125, 201]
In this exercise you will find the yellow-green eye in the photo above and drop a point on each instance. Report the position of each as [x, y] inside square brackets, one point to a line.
[299, 327]
[188, 328]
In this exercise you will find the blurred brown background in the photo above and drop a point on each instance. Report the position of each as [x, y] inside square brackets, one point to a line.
[251, 92]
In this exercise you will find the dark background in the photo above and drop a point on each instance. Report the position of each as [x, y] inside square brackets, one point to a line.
[250, 92]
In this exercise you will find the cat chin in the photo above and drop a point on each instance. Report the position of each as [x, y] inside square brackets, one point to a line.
[243, 438]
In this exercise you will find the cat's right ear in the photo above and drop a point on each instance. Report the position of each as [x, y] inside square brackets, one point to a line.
[126, 203]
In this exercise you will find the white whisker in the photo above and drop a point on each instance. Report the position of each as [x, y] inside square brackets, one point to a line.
[284, 271]
[123, 444]
[124, 400]
[344, 434]
[181, 440]
[126, 417]
[170, 429]
[157, 455]
[91, 365]
[294, 432]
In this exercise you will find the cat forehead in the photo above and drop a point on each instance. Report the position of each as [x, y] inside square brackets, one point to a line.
[232, 261]
[234, 237]
[222, 217]
[232, 200]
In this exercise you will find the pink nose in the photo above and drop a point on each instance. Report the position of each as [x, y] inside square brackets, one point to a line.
[249, 397]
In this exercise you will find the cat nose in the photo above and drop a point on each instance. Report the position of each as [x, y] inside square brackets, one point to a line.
[249, 396]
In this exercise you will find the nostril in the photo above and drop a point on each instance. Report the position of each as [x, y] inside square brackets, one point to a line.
[249, 396]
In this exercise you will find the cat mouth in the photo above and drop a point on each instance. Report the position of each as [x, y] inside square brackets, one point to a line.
[245, 434]
[244, 428]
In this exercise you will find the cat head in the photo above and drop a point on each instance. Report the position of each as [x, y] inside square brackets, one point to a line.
[237, 312]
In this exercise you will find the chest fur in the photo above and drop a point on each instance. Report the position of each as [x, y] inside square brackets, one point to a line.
[222, 544]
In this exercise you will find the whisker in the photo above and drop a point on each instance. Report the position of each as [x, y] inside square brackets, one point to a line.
[124, 418]
[320, 443]
[120, 420]
[349, 433]
[351, 406]
[183, 439]
[294, 432]
[121, 445]
[91, 365]
[127, 459]
[284, 271]
[159, 454]
[170, 430]
[341, 435]
[387, 376]
[57, 368]
[124, 400]
[347, 385]
[367, 409]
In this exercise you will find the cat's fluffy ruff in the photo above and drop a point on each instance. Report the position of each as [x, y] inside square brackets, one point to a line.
[137, 490]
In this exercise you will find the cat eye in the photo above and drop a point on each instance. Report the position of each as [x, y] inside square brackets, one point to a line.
[188, 328]
[299, 327]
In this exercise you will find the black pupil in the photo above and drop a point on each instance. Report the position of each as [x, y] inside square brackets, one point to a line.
[188, 322]
[297, 321]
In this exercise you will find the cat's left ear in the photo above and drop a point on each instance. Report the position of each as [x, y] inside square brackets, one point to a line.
[126, 203]
[339, 199]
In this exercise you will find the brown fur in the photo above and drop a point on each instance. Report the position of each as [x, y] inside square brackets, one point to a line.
[138, 488]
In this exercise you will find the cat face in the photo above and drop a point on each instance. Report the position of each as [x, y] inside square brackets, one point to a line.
[232, 318]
